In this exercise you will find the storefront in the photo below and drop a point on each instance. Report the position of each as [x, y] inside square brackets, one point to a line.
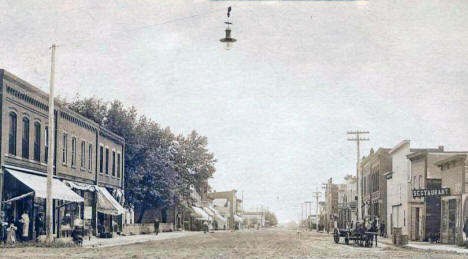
[25, 191]
[453, 208]
[110, 213]
[198, 218]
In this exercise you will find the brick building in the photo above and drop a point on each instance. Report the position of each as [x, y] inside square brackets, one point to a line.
[374, 186]
[331, 209]
[88, 163]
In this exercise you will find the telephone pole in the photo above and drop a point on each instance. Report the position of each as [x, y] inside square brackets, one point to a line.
[50, 158]
[357, 138]
[317, 195]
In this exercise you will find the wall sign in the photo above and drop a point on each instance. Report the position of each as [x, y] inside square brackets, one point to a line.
[419, 193]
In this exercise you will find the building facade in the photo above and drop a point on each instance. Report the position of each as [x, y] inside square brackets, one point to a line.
[331, 209]
[398, 186]
[454, 207]
[88, 162]
[374, 186]
[425, 212]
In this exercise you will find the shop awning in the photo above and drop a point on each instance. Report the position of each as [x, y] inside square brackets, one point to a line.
[38, 184]
[80, 186]
[217, 215]
[208, 211]
[237, 218]
[200, 214]
[107, 204]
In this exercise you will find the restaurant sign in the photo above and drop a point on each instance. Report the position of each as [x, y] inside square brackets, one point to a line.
[419, 193]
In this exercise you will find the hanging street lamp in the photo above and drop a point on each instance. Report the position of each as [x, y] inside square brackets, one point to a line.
[228, 40]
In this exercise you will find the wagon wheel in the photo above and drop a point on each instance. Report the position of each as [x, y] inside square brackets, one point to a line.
[346, 240]
[336, 236]
[367, 242]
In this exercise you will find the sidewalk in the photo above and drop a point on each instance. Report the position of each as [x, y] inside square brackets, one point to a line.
[126, 240]
[428, 246]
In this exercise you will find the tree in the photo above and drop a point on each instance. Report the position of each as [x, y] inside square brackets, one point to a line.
[270, 219]
[159, 167]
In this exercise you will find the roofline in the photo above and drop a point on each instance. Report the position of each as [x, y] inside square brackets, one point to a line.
[451, 158]
[29, 87]
[418, 154]
[375, 154]
[398, 146]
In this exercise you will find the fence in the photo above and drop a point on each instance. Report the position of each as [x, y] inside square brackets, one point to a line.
[146, 228]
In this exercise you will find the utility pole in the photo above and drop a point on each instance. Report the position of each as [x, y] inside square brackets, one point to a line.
[316, 195]
[50, 158]
[357, 138]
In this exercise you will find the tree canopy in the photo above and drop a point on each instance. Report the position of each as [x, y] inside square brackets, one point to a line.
[159, 166]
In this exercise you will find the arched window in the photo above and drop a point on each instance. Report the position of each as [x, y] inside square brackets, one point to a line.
[37, 141]
[46, 144]
[25, 140]
[12, 134]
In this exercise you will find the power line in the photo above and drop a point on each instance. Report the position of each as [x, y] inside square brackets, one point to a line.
[82, 40]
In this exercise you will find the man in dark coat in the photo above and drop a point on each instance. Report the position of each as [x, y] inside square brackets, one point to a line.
[465, 229]
[382, 228]
[156, 226]
[39, 224]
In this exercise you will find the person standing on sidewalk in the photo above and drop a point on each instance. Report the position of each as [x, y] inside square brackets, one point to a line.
[25, 220]
[382, 229]
[156, 226]
[465, 230]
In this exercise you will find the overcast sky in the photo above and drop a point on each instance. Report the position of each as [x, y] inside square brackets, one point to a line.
[277, 106]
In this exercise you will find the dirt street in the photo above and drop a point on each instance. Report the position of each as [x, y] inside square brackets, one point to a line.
[243, 244]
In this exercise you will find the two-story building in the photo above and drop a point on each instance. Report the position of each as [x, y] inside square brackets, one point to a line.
[88, 163]
[424, 212]
[454, 196]
[398, 186]
[374, 186]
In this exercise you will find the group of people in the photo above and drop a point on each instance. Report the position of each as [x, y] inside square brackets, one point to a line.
[366, 226]
[13, 230]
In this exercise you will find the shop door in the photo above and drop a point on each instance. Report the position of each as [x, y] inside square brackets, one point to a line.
[452, 221]
[416, 224]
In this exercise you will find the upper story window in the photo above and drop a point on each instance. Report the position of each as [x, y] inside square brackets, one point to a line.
[113, 163]
[46, 143]
[25, 139]
[90, 157]
[37, 141]
[101, 159]
[107, 161]
[83, 155]
[119, 161]
[12, 134]
[65, 148]
[420, 181]
[73, 160]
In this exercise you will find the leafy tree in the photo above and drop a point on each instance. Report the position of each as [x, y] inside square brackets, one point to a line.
[159, 167]
[270, 219]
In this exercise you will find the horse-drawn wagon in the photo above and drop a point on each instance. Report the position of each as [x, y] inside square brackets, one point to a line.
[359, 237]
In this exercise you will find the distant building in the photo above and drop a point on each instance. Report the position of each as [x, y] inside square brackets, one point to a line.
[331, 200]
[347, 202]
[227, 204]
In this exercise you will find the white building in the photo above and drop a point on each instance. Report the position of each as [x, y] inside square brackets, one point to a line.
[398, 186]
